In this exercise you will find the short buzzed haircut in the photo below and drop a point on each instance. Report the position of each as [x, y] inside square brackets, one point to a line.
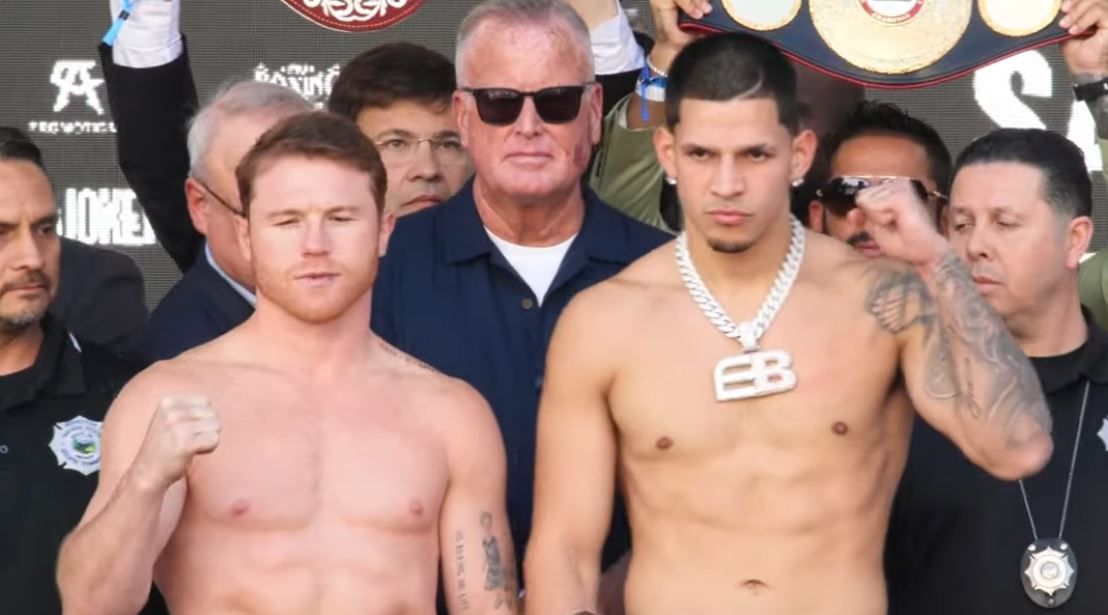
[17, 146]
[314, 135]
[392, 73]
[1066, 184]
[733, 66]
[523, 12]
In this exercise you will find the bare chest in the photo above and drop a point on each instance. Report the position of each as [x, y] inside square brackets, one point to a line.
[822, 379]
[291, 457]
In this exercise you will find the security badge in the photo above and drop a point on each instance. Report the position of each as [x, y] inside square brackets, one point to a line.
[76, 444]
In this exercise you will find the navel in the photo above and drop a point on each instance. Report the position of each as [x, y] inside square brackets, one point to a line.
[664, 443]
[754, 586]
[840, 428]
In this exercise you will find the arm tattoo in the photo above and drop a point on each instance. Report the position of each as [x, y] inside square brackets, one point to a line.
[500, 575]
[459, 558]
[971, 357]
[899, 300]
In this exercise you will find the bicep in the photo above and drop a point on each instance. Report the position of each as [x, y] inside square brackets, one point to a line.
[478, 558]
[902, 306]
[576, 449]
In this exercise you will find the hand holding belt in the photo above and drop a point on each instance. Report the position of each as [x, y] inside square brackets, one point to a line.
[891, 43]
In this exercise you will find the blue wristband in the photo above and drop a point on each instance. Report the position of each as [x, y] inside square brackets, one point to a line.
[646, 81]
[117, 25]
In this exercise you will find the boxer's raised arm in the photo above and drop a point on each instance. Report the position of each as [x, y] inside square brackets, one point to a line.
[964, 372]
[106, 565]
[575, 468]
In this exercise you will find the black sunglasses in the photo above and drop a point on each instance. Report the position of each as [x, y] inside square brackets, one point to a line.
[839, 193]
[502, 106]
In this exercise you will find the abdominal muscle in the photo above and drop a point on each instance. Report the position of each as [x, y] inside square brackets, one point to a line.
[689, 569]
[764, 528]
[321, 569]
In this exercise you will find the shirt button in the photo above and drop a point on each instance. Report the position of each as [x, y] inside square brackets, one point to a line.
[527, 303]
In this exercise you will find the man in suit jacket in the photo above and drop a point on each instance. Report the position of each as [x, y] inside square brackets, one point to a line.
[216, 294]
[101, 297]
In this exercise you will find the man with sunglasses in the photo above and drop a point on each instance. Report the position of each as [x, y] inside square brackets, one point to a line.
[474, 286]
[877, 142]
[216, 293]
[758, 470]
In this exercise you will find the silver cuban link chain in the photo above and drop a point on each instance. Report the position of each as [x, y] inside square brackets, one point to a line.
[748, 332]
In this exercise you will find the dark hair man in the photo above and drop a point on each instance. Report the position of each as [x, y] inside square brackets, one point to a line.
[758, 473]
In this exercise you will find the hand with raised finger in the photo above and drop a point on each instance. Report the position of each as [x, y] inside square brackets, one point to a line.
[1086, 54]
[182, 427]
[899, 222]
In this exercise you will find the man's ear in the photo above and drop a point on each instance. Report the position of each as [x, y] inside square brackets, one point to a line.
[1079, 235]
[804, 152]
[384, 232]
[198, 205]
[596, 113]
[665, 150]
[242, 234]
[462, 116]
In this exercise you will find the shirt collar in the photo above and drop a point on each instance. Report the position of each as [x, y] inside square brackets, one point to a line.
[250, 297]
[603, 234]
[57, 368]
[1089, 361]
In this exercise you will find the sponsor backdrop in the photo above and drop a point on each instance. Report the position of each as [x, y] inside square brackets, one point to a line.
[53, 88]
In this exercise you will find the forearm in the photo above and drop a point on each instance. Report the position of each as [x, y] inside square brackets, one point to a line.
[560, 580]
[1098, 107]
[151, 108]
[106, 566]
[975, 362]
[659, 61]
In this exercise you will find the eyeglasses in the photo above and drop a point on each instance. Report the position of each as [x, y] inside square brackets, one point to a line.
[838, 196]
[502, 106]
[216, 196]
[400, 151]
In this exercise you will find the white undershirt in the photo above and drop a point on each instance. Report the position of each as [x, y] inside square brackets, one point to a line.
[537, 266]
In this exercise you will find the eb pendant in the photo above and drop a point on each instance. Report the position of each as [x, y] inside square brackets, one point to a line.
[1049, 572]
[754, 374]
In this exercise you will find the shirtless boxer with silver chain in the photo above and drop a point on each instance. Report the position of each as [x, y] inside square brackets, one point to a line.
[298, 465]
[759, 458]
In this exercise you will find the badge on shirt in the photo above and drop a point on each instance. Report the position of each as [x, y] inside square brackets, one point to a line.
[1103, 433]
[76, 444]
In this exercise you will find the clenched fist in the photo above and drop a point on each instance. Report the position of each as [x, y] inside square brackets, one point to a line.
[899, 221]
[182, 427]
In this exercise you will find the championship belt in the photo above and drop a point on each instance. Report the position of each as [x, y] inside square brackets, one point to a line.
[891, 43]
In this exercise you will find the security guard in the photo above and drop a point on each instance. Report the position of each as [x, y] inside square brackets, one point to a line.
[53, 392]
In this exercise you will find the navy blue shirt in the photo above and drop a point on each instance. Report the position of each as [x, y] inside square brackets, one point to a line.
[446, 295]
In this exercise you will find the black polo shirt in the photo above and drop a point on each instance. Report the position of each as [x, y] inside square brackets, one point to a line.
[50, 416]
[957, 535]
